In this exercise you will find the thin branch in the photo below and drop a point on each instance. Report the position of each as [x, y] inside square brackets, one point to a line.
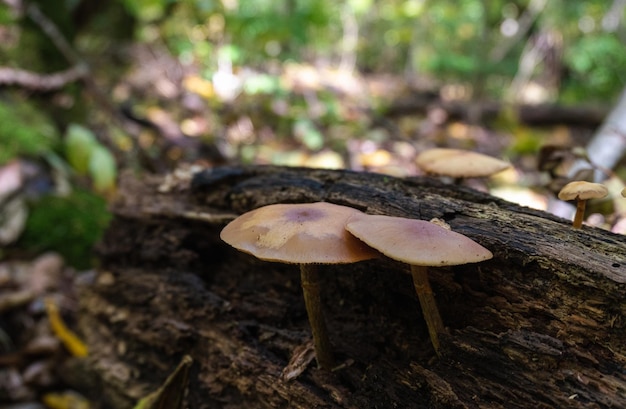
[41, 82]
[529, 60]
[350, 39]
[524, 24]
[15, 5]
[611, 20]
[52, 31]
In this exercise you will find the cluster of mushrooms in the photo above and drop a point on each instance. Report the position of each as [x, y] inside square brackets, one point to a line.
[323, 233]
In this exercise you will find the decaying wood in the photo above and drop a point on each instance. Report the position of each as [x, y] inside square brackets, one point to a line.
[542, 325]
[535, 114]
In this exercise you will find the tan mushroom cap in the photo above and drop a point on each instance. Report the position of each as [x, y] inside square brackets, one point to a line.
[459, 163]
[416, 242]
[581, 190]
[312, 233]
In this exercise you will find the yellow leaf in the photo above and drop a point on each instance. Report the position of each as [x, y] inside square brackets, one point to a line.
[70, 340]
[65, 400]
[199, 86]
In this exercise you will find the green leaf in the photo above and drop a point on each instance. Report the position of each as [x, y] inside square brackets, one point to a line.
[262, 84]
[308, 134]
[146, 10]
[79, 144]
[102, 169]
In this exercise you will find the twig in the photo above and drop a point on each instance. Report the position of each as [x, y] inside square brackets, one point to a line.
[41, 82]
[350, 39]
[52, 31]
[535, 7]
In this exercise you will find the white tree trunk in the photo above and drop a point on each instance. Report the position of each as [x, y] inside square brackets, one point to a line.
[608, 145]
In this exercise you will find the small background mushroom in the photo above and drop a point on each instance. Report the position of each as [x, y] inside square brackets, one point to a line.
[459, 164]
[581, 191]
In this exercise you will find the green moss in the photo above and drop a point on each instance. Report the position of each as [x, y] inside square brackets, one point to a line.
[24, 131]
[68, 225]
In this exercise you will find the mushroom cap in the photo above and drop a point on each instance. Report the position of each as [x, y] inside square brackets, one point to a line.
[624, 192]
[311, 233]
[459, 163]
[581, 190]
[416, 242]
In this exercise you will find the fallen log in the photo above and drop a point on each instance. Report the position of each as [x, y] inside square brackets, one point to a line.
[529, 114]
[541, 325]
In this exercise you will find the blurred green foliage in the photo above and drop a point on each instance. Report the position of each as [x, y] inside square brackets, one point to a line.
[599, 62]
[448, 40]
[68, 224]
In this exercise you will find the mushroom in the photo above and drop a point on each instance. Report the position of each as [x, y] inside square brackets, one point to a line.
[458, 163]
[582, 191]
[304, 234]
[420, 244]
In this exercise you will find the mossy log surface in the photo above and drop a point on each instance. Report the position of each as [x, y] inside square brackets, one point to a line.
[541, 325]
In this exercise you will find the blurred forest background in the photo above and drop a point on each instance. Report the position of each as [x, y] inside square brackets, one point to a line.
[91, 89]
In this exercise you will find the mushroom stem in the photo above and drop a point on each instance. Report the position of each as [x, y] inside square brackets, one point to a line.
[312, 301]
[428, 304]
[580, 213]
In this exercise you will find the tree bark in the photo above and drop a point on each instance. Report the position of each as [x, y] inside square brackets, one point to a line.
[541, 325]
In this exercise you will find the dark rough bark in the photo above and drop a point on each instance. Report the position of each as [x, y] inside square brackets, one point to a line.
[542, 325]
